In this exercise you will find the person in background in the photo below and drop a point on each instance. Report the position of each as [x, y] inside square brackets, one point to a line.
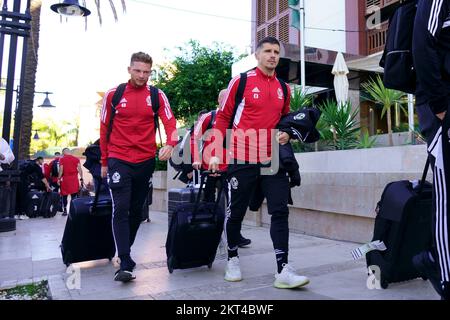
[51, 171]
[69, 170]
[205, 122]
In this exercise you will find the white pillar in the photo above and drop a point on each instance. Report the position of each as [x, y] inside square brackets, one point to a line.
[411, 117]
[302, 44]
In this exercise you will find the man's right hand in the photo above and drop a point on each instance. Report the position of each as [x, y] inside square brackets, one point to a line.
[196, 165]
[214, 164]
[104, 171]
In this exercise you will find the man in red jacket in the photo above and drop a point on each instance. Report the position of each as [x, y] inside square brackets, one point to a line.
[256, 117]
[201, 135]
[128, 156]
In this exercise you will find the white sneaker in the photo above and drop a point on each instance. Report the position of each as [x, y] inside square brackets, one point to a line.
[232, 270]
[24, 217]
[289, 279]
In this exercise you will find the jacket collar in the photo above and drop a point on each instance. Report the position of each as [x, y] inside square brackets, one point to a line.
[260, 73]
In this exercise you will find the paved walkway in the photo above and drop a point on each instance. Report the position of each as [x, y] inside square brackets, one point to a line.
[32, 253]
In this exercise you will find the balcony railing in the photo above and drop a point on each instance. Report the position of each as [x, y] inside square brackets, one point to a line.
[376, 38]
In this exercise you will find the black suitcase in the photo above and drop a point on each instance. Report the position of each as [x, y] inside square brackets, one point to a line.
[404, 224]
[180, 196]
[34, 203]
[88, 233]
[50, 205]
[194, 233]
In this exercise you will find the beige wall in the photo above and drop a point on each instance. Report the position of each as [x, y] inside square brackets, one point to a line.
[339, 190]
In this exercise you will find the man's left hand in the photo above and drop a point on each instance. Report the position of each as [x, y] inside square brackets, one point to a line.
[283, 137]
[165, 153]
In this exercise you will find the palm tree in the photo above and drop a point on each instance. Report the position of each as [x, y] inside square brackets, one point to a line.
[31, 67]
[378, 93]
[300, 99]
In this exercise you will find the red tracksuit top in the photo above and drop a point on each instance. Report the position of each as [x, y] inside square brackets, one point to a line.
[133, 136]
[261, 108]
[197, 136]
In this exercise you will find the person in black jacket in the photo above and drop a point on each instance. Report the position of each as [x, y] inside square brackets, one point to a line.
[31, 177]
[431, 55]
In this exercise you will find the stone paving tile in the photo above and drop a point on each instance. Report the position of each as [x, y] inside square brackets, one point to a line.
[326, 262]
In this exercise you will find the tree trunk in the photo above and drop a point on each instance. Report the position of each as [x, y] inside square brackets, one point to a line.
[30, 80]
[389, 125]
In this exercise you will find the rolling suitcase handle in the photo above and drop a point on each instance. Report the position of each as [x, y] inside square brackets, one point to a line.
[197, 201]
[424, 176]
[97, 194]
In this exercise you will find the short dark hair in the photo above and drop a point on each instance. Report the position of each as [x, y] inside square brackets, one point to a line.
[39, 158]
[57, 153]
[270, 40]
[141, 57]
[64, 149]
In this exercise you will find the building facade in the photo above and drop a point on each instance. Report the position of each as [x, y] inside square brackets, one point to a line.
[357, 28]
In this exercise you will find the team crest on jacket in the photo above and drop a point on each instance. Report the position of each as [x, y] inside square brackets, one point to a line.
[149, 101]
[115, 177]
[280, 94]
[299, 116]
[234, 183]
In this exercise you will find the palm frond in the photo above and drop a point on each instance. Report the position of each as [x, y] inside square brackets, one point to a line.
[97, 4]
[113, 8]
[300, 99]
[378, 93]
[85, 18]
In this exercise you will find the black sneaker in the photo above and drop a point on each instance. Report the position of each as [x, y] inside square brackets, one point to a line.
[124, 275]
[244, 242]
[64, 214]
[428, 269]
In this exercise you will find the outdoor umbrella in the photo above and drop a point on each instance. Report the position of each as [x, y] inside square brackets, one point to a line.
[340, 82]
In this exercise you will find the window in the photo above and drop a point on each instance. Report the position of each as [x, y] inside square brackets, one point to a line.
[283, 30]
[261, 34]
[261, 12]
[283, 5]
[272, 9]
[272, 29]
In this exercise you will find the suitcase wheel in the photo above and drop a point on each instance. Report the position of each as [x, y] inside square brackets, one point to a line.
[384, 283]
[210, 265]
[170, 264]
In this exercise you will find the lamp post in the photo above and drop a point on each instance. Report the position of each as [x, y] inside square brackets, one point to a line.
[14, 25]
[70, 8]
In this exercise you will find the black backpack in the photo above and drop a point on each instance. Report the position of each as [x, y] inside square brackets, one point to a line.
[93, 157]
[154, 96]
[183, 150]
[54, 170]
[397, 60]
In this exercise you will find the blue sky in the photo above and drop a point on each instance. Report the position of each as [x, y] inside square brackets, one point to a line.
[74, 64]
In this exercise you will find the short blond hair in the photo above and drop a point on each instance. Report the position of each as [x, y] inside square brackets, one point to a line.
[141, 57]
